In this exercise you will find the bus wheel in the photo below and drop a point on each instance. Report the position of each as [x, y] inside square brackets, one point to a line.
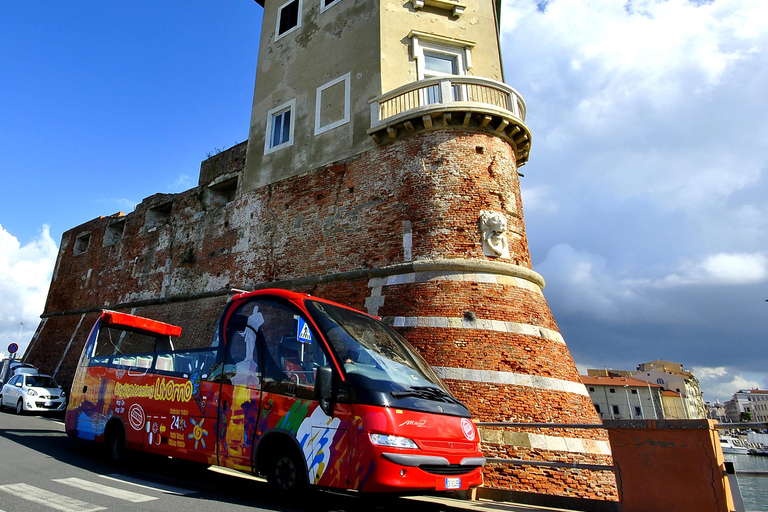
[115, 444]
[286, 473]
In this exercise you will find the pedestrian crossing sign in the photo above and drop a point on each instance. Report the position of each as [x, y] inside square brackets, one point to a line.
[304, 335]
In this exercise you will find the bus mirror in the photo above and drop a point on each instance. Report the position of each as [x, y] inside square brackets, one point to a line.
[324, 389]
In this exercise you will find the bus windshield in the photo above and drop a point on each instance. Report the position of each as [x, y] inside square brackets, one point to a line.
[375, 358]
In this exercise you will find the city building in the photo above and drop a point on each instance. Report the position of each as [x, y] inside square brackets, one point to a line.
[624, 398]
[748, 405]
[680, 395]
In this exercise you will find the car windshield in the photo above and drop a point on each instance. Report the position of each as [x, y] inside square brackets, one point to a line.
[41, 381]
[373, 355]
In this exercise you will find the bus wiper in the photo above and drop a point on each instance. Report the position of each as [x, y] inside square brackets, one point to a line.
[426, 393]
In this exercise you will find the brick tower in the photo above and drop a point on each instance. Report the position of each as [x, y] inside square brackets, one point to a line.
[413, 94]
[380, 171]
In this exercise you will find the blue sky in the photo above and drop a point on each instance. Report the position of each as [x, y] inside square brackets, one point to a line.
[644, 195]
[105, 103]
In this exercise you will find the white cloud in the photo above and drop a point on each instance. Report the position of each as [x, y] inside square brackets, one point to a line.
[720, 383]
[183, 182]
[539, 199]
[652, 98]
[25, 274]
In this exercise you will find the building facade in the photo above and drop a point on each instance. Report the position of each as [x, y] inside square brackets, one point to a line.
[381, 171]
[748, 405]
[624, 398]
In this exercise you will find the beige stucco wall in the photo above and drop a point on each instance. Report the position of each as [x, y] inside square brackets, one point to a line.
[477, 24]
[327, 45]
[367, 39]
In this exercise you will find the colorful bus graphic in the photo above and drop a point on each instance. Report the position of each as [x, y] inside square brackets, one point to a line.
[292, 387]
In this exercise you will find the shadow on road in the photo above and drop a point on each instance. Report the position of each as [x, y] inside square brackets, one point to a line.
[46, 435]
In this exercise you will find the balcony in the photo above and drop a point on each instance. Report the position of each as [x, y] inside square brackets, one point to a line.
[460, 102]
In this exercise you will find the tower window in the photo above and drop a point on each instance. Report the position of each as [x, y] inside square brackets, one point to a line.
[438, 64]
[325, 4]
[437, 56]
[280, 127]
[288, 18]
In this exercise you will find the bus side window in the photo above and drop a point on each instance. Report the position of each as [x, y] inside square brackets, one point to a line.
[185, 363]
[290, 363]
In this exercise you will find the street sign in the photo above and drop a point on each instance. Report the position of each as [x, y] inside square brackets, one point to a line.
[13, 348]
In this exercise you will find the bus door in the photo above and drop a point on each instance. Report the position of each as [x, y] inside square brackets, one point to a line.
[240, 389]
[289, 354]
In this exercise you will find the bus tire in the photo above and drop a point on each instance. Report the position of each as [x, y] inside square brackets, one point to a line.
[115, 444]
[286, 473]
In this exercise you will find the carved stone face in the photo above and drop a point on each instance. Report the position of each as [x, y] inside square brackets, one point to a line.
[493, 227]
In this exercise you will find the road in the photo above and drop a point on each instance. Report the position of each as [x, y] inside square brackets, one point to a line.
[42, 470]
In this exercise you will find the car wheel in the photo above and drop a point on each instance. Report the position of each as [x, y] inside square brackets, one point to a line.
[20, 406]
[286, 474]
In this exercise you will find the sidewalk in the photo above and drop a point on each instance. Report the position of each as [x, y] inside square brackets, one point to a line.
[454, 505]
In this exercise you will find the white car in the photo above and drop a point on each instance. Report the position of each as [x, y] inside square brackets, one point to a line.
[33, 393]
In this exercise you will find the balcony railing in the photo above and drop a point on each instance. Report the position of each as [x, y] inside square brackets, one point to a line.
[452, 102]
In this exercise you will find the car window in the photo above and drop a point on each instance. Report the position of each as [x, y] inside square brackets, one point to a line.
[41, 381]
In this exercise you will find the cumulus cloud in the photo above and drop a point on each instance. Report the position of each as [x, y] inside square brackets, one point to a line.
[720, 383]
[644, 193]
[723, 269]
[654, 98]
[25, 274]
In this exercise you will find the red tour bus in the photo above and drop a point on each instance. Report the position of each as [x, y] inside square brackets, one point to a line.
[296, 388]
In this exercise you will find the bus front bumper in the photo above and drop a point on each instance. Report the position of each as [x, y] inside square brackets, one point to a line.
[404, 472]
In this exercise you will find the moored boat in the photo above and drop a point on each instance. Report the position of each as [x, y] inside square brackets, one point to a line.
[732, 445]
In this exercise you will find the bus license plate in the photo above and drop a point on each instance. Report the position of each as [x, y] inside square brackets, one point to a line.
[453, 483]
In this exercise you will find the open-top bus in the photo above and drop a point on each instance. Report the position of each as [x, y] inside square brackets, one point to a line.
[296, 388]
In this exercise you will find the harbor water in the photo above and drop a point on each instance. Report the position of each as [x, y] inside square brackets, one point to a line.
[754, 489]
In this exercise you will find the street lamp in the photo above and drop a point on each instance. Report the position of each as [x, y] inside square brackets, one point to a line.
[21, 326]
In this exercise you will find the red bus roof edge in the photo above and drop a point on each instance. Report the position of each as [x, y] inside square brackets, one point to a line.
[138, 322]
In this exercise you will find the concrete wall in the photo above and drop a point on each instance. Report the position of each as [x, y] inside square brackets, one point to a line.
[669, 465]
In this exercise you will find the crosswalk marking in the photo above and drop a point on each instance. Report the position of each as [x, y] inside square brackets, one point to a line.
[114, 492]
[166, 489]
[50, 499]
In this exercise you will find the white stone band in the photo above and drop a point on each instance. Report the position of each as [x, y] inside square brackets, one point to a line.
[481, 324]
[545, 442]
[454, 275]
[511, 379]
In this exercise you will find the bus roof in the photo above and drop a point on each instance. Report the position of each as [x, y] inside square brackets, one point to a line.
[114, 318]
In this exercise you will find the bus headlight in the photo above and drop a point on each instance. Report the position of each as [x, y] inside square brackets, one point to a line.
[393, 441]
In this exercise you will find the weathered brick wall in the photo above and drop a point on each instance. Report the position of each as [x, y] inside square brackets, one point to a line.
[394, 232]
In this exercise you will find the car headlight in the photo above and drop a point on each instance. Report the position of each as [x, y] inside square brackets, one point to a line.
[63, 394]
[31, 392]
[393, 441]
